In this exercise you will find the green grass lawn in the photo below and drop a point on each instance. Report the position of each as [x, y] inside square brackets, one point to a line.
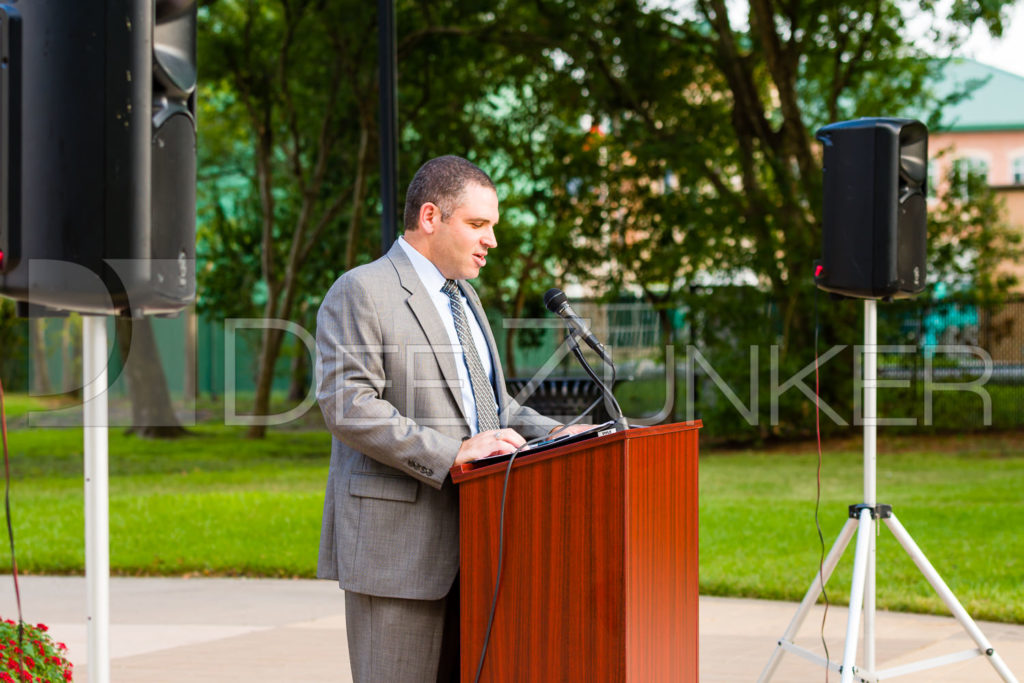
[216, 503]
[964, 508]
[210, 503]
[17, 405]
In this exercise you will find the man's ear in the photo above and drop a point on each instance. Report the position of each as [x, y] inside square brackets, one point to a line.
[430, 214]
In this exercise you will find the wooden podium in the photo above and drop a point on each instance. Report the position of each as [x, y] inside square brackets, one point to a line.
[599, 581]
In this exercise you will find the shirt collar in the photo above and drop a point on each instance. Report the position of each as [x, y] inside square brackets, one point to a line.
[429, 275]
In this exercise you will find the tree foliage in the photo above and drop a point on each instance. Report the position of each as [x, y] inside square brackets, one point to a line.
[707, 171]
[969, 239]
[637, 149]
[295, 79]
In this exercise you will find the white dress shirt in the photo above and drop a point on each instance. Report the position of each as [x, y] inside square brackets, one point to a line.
[433, 280]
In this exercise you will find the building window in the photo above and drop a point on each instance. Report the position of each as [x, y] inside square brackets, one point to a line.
[966, 172]
[1017, 170]
[970, 165]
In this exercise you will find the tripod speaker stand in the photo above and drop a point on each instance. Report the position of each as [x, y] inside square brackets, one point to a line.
[863, 523]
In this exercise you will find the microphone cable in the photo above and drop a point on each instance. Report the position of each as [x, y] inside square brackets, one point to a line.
[501, 528]
[10, 527]
[817, 495]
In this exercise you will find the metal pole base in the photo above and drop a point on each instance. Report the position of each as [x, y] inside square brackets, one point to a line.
[863, 525]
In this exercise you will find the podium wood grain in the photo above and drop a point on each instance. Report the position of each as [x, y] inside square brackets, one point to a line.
[600, 571]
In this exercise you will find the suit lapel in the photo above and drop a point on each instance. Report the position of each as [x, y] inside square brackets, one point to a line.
[426, 314]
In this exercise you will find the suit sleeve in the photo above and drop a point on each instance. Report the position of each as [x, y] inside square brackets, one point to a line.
[526, 420]
[351, 383]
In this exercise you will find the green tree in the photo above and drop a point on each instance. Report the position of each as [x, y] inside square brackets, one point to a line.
[969, 238]
[14, 358]
[289, 146]
[526, 139]
[708, 171]
[297, 79]
[700, 167]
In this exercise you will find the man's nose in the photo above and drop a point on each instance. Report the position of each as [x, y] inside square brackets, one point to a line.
[489, 240]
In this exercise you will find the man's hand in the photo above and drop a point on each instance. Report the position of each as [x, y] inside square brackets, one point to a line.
[491, 442]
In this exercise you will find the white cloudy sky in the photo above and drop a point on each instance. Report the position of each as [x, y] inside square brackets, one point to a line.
[1008, 52]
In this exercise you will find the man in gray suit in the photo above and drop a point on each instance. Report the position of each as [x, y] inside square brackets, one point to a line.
[409, 383]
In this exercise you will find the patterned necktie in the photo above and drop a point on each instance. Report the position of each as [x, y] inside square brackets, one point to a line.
[486, 410]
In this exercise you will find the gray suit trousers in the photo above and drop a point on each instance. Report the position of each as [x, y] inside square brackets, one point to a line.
[396, 640]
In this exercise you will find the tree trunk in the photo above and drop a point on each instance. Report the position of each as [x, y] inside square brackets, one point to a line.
[358, 199]
[152, 413]
[71, 356]
[511, 333]
[299, 385]
[41, 385]
[510, 353]
[282, 279]
[270, 349]
[191, 346]
[665, 321]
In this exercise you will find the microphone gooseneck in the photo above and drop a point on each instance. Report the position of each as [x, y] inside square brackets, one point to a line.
[558, 303]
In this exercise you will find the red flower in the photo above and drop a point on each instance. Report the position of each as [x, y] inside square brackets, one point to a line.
[61, 646]
[42, 627]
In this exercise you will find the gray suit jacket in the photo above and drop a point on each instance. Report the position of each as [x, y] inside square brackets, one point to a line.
[389, 391]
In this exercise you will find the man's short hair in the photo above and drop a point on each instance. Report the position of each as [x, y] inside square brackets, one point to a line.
[441, 181]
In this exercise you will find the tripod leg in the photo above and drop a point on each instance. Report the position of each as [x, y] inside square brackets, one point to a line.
[947, 597]
[811, 597]
[869, 601]
[860, 561]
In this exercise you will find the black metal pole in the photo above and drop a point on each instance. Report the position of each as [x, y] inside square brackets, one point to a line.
[387, 62]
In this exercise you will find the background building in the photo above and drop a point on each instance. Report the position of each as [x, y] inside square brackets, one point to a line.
[984, 132]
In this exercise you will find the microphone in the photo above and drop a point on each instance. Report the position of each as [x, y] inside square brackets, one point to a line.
[558, 303]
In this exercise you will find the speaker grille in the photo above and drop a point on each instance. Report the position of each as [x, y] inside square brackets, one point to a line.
[174, 209]
[911, 244]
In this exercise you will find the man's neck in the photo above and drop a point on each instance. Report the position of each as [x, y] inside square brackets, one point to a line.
[415, 240]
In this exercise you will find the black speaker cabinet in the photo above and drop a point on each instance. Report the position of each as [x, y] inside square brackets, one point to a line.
[98, 119]
[874, 234]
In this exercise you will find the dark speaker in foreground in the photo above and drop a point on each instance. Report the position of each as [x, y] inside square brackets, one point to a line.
[874, 234]
[99, 154]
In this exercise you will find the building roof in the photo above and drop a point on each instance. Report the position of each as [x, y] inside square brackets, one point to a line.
[995, 100]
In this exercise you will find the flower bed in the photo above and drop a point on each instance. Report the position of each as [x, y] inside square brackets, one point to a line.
[36, 660]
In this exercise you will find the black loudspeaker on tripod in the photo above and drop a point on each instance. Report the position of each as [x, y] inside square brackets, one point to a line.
[874, 248]
[98, 154]
[874, 232]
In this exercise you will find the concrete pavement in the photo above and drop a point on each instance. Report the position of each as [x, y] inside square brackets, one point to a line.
[221, 629]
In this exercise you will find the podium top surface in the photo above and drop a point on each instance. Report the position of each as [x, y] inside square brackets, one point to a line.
[472, 470]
